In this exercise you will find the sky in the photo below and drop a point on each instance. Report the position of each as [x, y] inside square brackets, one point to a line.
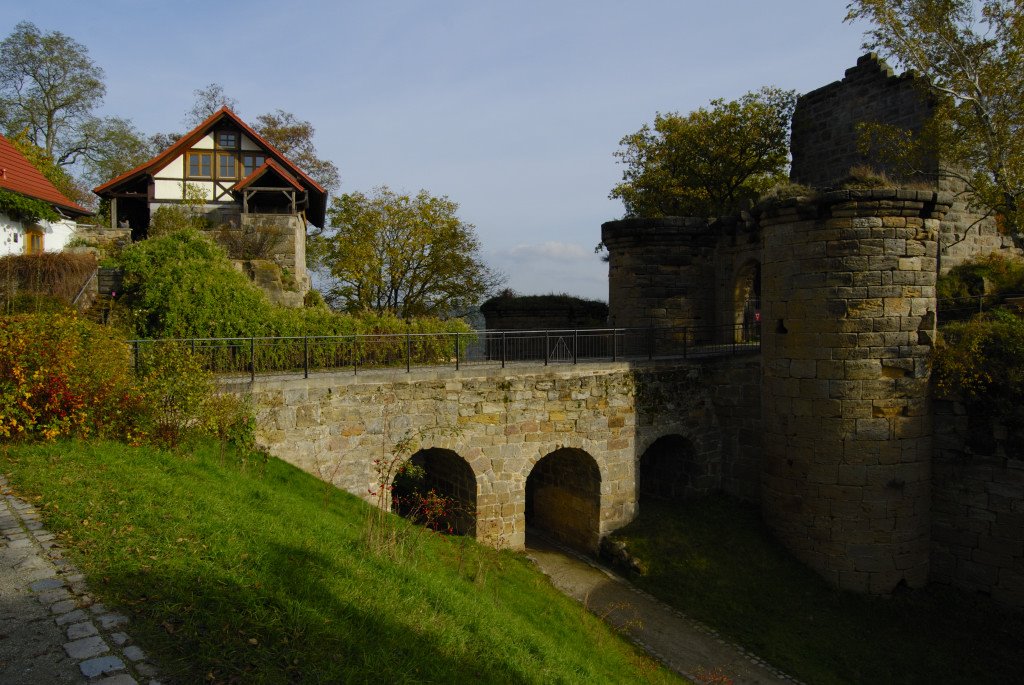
[513, 109]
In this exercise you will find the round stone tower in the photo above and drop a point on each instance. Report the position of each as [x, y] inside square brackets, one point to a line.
[660, 272]
[848, 301]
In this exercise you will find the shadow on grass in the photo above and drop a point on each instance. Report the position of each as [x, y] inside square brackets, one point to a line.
[714, 559]
[297, 631]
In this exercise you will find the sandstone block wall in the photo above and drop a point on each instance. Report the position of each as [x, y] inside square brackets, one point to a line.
[501, 422]
[849, 283]
[825, 146]
[735, 387]
[824, 142]
[660, 272]
[978, 504]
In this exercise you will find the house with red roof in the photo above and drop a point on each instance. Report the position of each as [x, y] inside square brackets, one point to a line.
[243, 181]
[19, 236]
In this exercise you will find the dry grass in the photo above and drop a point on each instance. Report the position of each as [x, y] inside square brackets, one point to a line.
[56, 274]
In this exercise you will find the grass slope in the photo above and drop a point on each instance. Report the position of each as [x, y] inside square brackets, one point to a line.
[249, 577]
[715, 560]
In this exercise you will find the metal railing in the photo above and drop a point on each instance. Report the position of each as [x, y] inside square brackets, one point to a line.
[94, 276]
[309, 354]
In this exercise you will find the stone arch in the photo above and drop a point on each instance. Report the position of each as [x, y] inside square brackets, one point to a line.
[447, 474]
[563, 498]
[667, 468]
[747, 301]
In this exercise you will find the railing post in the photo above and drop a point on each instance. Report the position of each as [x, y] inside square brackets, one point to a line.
[252, 359]
[305, 356]
[575, 344]
[408, 350]
[547, 346]
[503, 349]
[613, 344]
[456, 350]
[650, 343]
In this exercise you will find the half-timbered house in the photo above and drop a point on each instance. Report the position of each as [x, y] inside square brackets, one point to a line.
[240, 179]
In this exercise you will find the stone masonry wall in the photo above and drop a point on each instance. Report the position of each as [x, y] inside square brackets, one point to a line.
[978, 504]
[824, 146]
[501, 422]
[849, 316]
[824, 141]
[735, 389]
[660, 272]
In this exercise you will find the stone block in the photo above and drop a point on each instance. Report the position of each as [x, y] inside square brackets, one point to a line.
[105, 665]
[86, 647]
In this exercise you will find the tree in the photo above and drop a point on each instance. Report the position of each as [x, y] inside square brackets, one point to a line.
[709, 162]
[970, 54]
[114, 146]
[408, 255]
[49, 88]
[208, 100]
[294, 138]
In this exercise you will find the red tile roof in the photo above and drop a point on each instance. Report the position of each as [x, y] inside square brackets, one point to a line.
[260, 171]
[318, 196]
[18, 174]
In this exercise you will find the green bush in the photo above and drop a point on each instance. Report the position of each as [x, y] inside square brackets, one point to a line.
[182, 285]
[25, 209]
[177, 388]
[981, 361]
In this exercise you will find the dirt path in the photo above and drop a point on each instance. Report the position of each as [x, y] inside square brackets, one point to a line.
[687, 647]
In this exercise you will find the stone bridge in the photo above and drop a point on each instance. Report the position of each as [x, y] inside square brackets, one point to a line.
[570, 450]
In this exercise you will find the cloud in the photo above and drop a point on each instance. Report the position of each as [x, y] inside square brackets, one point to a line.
[552, 250]
[552, 267]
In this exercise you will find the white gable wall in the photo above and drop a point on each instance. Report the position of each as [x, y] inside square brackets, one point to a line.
[56, 235]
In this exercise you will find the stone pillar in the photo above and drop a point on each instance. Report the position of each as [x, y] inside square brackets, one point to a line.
[848, 284]
[660, 272]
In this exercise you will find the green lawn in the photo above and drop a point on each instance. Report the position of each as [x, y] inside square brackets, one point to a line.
[715, 560]
[252, 575]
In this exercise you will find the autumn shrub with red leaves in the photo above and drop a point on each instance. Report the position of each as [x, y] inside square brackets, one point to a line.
[61, 376]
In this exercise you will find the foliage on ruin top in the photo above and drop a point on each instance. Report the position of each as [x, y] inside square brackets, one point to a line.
[575, 306]
[992, 275]
[971, 55]
[709, 162]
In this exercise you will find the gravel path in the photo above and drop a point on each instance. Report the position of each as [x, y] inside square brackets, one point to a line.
[682, 644]
[51, 630]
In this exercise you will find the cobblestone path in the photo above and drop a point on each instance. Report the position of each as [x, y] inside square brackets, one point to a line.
[51, 629]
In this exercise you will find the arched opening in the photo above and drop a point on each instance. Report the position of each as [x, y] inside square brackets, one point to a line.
[747, 302]
[436, 487]
[667, 469]
[563, 499]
